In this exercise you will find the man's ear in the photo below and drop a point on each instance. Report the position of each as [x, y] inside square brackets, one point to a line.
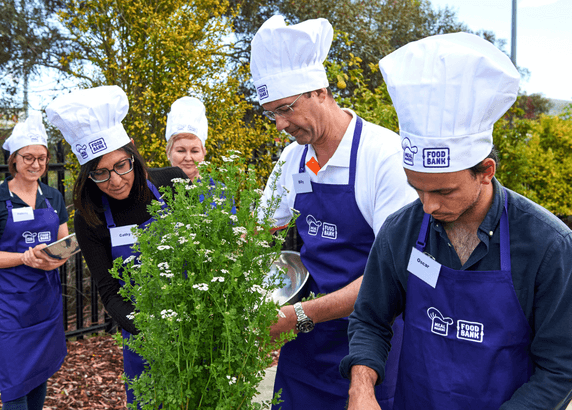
[490, 170]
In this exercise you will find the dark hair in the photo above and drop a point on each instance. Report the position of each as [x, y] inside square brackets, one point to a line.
[480, 167]
[86, 194]
[12, 163]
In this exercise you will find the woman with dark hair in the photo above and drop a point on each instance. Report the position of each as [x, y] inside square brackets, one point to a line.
[111, 194]
[32, 215]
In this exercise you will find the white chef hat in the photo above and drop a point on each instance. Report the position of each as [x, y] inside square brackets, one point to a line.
[448, 91]
[90, 120]
[288, 60]
[29, 132]
[187, 114]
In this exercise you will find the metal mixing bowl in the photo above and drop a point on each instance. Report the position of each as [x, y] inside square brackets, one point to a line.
[294, 276]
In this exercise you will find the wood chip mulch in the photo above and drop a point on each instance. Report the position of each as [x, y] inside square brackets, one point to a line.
[90, 377]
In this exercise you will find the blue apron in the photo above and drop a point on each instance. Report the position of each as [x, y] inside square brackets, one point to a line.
[465, 342]
[337, 241]
[133, 364]
[32, 337]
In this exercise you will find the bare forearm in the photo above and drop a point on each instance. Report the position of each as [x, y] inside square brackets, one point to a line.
[10, 259]
[362, 392]
[329, 307]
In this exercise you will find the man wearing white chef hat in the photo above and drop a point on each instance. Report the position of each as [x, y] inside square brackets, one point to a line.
[481, 274]
[344, 176]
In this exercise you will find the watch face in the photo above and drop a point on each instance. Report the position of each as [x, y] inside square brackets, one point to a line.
[305, 326]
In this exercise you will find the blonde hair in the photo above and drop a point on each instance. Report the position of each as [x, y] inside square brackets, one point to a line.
[178, 137]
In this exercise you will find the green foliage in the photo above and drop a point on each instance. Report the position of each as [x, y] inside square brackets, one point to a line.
[158, 52]
[536, 158]
[201, 295]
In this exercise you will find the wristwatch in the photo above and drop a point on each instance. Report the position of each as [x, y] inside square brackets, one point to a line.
[304, 323]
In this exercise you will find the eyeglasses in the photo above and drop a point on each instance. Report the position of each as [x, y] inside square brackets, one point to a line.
[30, 159]
[281, 111]
[122, 167]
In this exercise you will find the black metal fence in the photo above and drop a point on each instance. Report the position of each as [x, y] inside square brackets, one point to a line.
[82, 308]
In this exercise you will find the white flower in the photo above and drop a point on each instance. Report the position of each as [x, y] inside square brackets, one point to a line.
[231, 380]
[204, 163]
[233, 218]
[179, 180]
[196, 242]
[183, 240]
[217, 279]
[224, 271]
[285, 189]
[163, 247]
[231, 257]
[163, 265]
[227, 159]
[234, 151]
[239, 230]
[129, 259]
[258, 191]
[168, 314]
[167, 274]
[294, 211]
[201, 286]
[178, 225]
[264, 244]
[131, 316]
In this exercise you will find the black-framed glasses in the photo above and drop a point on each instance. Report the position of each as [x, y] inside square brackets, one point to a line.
[125, 166]
[30, 159]
[281, 111]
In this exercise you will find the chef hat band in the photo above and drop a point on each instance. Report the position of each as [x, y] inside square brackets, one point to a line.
[288, 60]
[90, 120]
[448, 91]
[188, 115]
[29, 132]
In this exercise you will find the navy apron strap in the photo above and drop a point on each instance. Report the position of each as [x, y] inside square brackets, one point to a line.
[157, 194]
[505, 236]
[303, 160]
[107, 211]
[355, 146]
[423, 232]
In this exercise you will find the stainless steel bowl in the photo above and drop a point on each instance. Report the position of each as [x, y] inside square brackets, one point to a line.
[294, 275]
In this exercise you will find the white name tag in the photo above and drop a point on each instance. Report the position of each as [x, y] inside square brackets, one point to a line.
[302, 183]
[424, 267]
[122, 235]
[23, 214]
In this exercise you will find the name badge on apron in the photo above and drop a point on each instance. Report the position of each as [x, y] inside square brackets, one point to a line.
[23, 214]
[424, 267]
[122, 235]
[302, 183]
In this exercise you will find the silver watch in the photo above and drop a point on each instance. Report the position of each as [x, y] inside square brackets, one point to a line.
[304, 323]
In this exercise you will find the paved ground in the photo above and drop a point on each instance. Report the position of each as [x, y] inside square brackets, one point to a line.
[266, 386]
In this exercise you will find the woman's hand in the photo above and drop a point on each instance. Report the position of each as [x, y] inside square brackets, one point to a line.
[35, 258]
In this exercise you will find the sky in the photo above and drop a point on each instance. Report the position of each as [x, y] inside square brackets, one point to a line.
[543, 43]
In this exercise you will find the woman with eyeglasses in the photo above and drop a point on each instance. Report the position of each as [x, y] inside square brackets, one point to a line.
[111, 194]
[32, 215]
[186, 134]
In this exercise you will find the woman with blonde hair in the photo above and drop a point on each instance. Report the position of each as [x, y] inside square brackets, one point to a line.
[186, 134]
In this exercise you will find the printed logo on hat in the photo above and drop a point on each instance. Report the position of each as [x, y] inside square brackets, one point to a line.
[409, 151]
[262, 92]
[98, 145]
[436, 158]
[82, 150]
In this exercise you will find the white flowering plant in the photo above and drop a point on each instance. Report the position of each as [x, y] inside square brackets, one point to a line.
[201, 293]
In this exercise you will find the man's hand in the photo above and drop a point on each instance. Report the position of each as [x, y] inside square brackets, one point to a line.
[286, 322]
[362, 392]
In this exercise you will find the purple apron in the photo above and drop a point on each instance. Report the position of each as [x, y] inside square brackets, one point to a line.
[133, 364]
[465, 342]
[337, 241]
[32, 337]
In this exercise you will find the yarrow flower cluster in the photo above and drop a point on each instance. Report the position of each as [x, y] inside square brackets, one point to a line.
[201, 286]
[168, 314]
